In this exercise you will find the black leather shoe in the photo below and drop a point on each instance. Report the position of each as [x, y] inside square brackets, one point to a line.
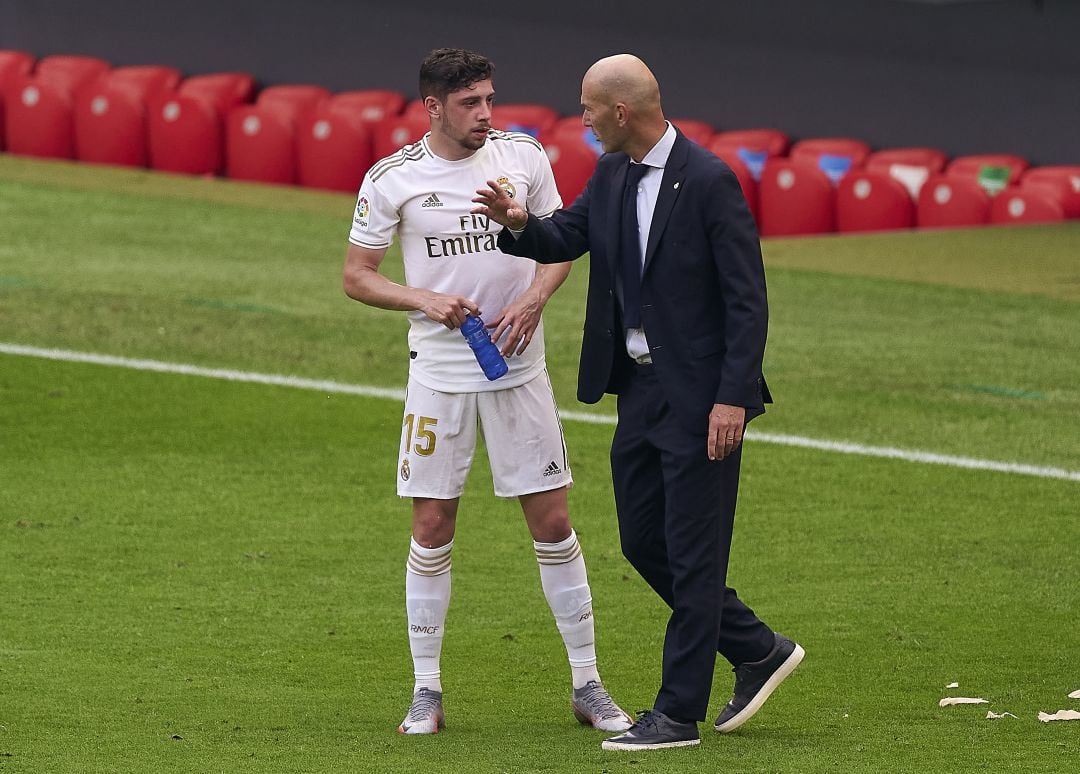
[755, 682]
[654, 731]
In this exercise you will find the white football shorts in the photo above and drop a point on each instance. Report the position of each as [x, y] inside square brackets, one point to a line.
[520, 426]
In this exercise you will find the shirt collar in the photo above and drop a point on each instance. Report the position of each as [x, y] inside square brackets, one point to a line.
[658, 156]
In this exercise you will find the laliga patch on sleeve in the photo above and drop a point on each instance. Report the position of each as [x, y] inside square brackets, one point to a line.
[363, 211]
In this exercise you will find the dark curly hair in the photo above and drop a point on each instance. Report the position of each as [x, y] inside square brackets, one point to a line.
[446, 70]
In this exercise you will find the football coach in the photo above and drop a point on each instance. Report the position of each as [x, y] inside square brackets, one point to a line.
[675, 326]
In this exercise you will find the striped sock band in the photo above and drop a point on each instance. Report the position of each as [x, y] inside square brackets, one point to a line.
[558, 553]
[429, 561]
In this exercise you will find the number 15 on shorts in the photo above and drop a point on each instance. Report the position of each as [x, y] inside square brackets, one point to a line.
[420, 429]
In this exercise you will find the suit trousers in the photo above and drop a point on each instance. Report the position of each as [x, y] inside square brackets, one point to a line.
[676, 509]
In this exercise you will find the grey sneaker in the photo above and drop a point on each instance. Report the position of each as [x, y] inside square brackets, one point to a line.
[594, 707]
[755, 682]
[425, 715]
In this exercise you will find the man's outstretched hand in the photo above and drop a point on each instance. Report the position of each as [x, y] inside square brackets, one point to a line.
[495, 204]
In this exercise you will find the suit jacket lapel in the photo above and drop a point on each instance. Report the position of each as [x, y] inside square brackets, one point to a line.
[670, 188]
[614, 220]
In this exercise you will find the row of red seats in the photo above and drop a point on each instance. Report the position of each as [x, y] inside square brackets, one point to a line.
[79, 107]
[822, 185]
[838, 184]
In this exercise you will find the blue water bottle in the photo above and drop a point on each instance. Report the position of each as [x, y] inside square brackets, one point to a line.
[487, 354]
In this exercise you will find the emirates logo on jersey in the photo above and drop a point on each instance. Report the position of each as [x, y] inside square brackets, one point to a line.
[506, 185]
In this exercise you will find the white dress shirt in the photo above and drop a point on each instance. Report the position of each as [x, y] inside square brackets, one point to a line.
[637, 346]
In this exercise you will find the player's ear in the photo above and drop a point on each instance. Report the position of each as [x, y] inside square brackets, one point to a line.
[433, 105]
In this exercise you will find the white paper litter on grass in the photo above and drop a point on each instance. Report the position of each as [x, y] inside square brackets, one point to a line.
[1074, 695]
[953, 685]
[960, 700]
[1059, 715]
[995, 716]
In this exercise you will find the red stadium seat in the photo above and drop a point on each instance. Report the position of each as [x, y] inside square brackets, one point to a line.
[334, 147]
[1025, 205]
[993, 171]
[70, 73]
[220, 90]
[110, 114]
[695, 131]
[911, 166]
[292, 98]
[372, 105]
[753, 147]
[38, 108]
[37, 119]
[573, 164]
[873, 201]
[835, 156]
[260, 139]
[946, 201]
[571, 130]
[391, 134]
[531, 119]
[772, 141]
[187, 125]
[13, 64]
[416, 109]
[796, 197]
[1061, 182]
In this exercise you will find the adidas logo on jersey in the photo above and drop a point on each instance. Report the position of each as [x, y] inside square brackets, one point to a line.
[432, 201]
[552, 469]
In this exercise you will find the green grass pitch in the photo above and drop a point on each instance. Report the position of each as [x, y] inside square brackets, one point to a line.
[207, 576]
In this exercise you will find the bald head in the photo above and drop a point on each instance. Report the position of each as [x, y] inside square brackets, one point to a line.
[621, 102]
[624, 78]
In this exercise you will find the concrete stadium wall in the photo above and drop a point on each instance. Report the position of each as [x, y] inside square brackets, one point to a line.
[968, 77]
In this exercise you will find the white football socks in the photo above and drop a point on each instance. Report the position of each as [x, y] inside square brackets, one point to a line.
[427, 596]
[566, 586]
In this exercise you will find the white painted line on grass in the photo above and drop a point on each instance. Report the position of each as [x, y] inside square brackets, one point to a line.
[842, 447]
[914, 455]
[190, 370]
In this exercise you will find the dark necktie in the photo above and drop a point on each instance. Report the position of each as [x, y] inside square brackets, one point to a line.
[630, 248]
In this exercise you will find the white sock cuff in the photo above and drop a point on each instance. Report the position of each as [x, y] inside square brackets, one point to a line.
[558, 553]
[429, 561]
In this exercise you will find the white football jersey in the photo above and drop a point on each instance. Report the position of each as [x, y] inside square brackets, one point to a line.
[426, 200]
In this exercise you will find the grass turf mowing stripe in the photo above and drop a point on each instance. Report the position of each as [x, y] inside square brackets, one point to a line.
[842, 447]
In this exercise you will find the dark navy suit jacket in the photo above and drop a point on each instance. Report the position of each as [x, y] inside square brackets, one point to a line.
[703, 301]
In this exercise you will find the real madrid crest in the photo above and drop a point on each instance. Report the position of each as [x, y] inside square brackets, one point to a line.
[506, 185]
[405, 469]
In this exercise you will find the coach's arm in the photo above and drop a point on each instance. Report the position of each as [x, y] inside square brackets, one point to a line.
[562, 237]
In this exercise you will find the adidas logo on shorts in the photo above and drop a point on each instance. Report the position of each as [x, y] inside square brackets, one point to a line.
[431, 201]
[552, 469]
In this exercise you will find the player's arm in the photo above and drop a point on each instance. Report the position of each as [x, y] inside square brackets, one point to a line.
[363, 282]
[521, 316]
